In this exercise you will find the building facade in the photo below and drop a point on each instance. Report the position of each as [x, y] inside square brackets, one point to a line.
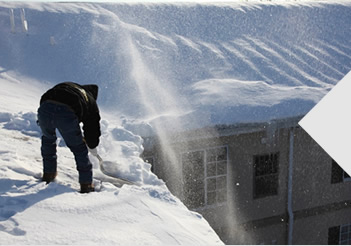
[259, 183]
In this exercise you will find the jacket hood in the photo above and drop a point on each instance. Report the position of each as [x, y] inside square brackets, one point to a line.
[93, 89]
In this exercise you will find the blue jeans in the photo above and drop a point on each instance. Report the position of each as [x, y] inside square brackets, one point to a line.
[52, 116]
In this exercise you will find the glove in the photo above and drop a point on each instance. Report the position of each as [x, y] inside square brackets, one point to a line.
[93, 151]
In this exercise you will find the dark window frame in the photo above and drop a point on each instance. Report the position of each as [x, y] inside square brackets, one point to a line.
[339, 235]
[345, 234]
[333, 235]
[265, 175]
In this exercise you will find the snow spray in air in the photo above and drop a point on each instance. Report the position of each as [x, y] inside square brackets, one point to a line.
[160, 102]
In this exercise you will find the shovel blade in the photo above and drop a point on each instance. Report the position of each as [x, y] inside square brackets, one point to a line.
[109, 168]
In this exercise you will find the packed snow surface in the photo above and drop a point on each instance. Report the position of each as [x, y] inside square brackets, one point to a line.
[32, 212]
[158, 66]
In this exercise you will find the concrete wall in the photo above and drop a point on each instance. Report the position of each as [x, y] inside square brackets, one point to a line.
[317, 204]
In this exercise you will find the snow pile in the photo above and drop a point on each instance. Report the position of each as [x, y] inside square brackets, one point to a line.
[32, 212]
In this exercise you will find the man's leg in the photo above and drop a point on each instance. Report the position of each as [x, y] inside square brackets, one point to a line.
[48, 145]
[48, 152]
[72, 134]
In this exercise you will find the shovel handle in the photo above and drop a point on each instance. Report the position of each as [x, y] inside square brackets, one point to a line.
[100, 164]
[99, 158]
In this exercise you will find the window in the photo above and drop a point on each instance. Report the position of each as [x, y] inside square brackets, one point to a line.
[205, 177]
[265, 175]
[338, 175]
[345, 234]
[216, 176]
[340, 235]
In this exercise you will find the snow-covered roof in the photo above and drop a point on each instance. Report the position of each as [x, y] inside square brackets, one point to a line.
[186, 65]
[213, 132]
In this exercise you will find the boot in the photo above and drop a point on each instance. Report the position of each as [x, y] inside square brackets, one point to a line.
[86, 188]
[48, 177]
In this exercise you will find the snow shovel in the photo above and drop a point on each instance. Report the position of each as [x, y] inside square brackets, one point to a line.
[101, 161]
[119, 180]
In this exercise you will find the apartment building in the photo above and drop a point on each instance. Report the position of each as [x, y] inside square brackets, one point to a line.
[257, 183]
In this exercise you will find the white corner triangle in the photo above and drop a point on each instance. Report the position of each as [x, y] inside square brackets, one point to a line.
[329, 123]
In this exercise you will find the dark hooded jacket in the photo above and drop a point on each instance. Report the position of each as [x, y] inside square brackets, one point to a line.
[82, 100]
